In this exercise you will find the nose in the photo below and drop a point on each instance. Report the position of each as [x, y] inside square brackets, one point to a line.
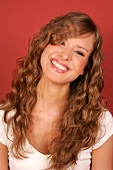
[66, 54]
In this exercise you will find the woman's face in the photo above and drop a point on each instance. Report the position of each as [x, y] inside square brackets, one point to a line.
[63, 63]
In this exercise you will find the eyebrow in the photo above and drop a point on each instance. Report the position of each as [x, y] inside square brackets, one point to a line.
[82, 48]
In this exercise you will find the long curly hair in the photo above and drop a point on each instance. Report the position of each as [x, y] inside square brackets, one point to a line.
[79, 123]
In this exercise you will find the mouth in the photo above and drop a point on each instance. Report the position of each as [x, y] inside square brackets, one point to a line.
[59, 66]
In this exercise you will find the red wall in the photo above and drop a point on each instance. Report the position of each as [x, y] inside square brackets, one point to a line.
[19, 19]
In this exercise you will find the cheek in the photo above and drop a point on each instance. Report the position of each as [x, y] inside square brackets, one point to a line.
[42, 58]
[43, 61]
[83, 64]
[45, 54]
[79, 66]
[80, 63]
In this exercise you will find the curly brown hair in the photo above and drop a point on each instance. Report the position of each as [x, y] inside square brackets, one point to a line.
[79, 123]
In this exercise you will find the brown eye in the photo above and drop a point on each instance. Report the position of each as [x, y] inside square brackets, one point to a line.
[79, 53]
[63, 43]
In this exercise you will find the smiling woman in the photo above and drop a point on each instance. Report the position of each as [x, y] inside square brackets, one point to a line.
[55, 117]
[68, 58]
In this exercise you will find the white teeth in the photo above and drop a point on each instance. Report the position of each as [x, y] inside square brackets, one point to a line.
[59, 66]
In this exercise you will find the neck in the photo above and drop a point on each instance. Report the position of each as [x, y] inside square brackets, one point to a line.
[50, 96]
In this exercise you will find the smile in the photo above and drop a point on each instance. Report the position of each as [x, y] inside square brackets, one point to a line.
[59, 66]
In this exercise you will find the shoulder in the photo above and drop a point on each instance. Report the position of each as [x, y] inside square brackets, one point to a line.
[3, 127]
[106, 129]
[1, 116]
[1, 113]
[10, 113]
[106, 118]
[106, 123]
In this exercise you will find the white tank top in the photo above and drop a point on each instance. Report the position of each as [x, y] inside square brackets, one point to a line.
[38, 161]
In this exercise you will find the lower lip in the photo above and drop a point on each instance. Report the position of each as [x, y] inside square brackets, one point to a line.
[57, 69]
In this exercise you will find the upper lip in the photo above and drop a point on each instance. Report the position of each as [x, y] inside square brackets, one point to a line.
[60, 62]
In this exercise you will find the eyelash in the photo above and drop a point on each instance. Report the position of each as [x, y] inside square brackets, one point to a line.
[79, 53]
[63, 43]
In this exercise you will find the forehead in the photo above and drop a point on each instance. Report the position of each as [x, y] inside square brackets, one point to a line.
[86, 38]
[85, 42]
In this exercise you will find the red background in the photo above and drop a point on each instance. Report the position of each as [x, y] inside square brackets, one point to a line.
[19, 19]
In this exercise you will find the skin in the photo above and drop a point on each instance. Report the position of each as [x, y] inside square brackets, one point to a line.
[71, 56]
[102, 158]
[3, 157]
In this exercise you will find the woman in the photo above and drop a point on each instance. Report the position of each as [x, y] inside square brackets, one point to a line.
[55, 117]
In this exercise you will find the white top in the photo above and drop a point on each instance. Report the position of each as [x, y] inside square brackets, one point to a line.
[39, 161]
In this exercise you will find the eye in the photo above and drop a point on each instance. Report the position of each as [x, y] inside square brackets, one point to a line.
[63, 43]
[79, 53]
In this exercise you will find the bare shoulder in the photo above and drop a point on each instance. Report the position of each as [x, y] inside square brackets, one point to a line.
[3, 157]
[102, 157]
